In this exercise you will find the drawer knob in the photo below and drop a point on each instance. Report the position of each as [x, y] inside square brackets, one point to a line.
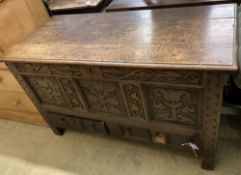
[1, 79]
[128, 132]
[17, 102]
[159, 138]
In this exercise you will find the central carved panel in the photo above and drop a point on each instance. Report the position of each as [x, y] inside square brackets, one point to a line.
[102, 96]
[173, 105]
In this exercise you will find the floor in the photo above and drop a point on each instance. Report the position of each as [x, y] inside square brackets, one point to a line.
[34, 150]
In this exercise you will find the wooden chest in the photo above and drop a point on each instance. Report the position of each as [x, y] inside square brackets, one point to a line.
[155, 76]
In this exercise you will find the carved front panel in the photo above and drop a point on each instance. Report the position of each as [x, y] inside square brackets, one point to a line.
[102, 96]
[162, 76]
[174, 105]
[47, 90]
[153, 95]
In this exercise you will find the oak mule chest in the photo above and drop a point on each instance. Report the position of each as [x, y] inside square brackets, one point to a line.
[155, 76]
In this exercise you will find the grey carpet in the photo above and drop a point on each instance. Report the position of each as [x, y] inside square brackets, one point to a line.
[34, 150]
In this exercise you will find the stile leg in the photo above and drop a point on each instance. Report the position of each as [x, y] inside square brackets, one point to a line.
[213, 103]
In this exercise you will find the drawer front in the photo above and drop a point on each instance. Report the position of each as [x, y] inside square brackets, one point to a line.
[77, 124]
[16, 102]
[135, 133]
[8, 82]
[156, 136]
[129, 132]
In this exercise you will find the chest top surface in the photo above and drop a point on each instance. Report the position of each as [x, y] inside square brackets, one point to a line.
[198, 38]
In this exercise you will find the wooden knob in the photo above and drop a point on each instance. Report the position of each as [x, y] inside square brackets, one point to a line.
[17, 102]
[1, 79]
[128, 131]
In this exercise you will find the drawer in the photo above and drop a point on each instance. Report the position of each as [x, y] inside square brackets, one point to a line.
[22, 116]
[16, 101]
[8, 82]
[77, 124]
[129, 132]
[176, 140]
[3, 66]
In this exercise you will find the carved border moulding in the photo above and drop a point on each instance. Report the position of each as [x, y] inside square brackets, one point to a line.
[161, 76]
[173, 105]
[47, 90]
[49, 69]
[134, 101]
[71, 93]
[214, 94]
[102, 96]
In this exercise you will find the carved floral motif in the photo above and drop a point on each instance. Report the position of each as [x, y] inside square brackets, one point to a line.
[173, 105]
[47, 90]
[103, 96]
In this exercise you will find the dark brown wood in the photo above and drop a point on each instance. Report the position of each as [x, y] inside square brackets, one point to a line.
[213, 103]
[127, 5]
[184, 38]
[152, 76]
[159, 106]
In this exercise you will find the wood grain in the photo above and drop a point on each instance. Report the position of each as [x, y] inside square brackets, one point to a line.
[19, 19]
[16, 101]
[200, 38]
[122, 5]
[3, 66]
[8, 82]
[22, 116]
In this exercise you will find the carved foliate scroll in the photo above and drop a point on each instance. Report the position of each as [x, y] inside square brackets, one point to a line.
[173, 105]
[176, 77]
[49, 69]
[134, 101]
[71, 93]
[47, 90]
[102, 96]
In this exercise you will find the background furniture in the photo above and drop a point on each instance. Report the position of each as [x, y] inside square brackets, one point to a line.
[77, 6]
[19, 18]
[158, 77]
[123, 5]
[14, 103]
